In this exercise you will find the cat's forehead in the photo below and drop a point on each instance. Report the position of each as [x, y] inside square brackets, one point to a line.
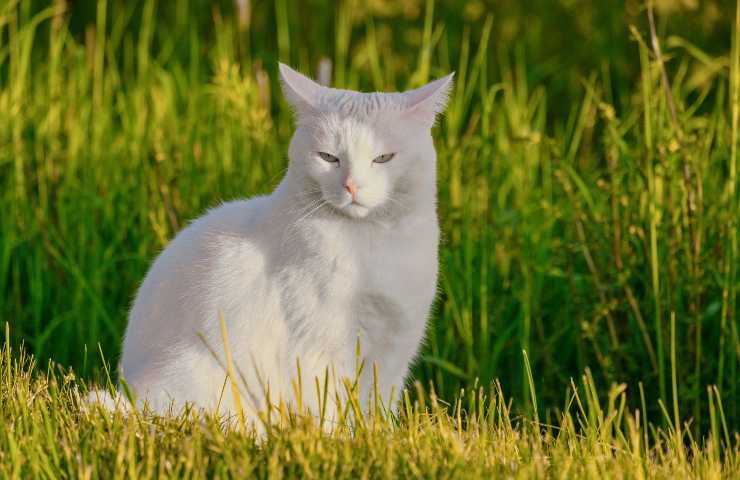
[349, 119]
[359, 104]
[350, 130]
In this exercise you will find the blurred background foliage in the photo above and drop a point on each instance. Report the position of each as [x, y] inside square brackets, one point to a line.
[582, 218]
[560, 41]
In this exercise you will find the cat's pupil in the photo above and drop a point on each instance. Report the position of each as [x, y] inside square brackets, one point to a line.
[328, 157]
[384, 158]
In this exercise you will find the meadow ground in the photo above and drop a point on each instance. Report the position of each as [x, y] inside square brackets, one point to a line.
[588, 195]
[46, 434]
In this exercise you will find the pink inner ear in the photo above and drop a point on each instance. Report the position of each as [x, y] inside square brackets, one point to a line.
[428, 101]
[299, 90]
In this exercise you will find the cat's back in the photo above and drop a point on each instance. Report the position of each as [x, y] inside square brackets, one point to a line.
[222, 231]
[183, 285]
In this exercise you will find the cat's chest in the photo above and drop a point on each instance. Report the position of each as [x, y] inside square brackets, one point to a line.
[373, 270]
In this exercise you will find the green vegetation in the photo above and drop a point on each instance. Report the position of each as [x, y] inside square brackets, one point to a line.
[588, 197]
[45, 435]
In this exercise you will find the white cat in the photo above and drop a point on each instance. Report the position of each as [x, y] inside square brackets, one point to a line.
[345, 248]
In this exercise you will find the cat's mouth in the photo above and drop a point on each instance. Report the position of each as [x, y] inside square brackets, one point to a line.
[354, 209]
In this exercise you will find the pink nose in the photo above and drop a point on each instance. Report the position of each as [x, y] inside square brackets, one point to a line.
[351, 187]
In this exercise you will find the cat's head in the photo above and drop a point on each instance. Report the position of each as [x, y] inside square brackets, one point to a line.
[363, 152]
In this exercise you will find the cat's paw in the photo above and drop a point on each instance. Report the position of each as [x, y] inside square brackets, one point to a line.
[106, 400]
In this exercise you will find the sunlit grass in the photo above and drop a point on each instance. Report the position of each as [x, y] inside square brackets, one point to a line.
[46, 433]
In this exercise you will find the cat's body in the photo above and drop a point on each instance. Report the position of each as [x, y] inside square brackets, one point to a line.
[341, 251]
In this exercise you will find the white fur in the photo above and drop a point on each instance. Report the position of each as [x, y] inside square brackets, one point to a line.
[301, 274]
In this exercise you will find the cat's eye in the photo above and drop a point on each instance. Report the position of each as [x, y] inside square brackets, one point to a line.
[328, 157]
[384, 158]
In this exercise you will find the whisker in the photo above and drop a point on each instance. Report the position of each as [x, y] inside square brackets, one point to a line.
[305, 213]
[322, 202]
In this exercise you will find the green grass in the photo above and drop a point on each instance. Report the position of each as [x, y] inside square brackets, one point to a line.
[589, 204]
[45, 434]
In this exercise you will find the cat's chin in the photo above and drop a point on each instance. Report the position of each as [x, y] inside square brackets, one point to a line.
[354, 210]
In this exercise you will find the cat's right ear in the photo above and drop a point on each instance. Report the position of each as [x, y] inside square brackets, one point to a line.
[301, 92]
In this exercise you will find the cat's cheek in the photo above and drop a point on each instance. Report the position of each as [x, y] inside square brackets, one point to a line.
[325, 174]
[325, 167]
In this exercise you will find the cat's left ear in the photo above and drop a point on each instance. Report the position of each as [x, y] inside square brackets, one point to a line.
[301, 92]
[425, 103]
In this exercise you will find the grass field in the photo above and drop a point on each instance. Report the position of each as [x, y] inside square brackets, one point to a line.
[588, 198]
[45, 435]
